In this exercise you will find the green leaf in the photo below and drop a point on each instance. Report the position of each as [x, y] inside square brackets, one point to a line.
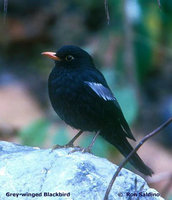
[166, 6]
[128, 101]
[61, 137]
[35, 133]
[169, 197]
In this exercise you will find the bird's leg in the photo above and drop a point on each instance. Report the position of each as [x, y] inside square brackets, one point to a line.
[70, 143]
[87, 149]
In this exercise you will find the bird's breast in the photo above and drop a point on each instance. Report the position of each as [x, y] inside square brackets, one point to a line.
[69, 101]
[63, 91]
[77, 106]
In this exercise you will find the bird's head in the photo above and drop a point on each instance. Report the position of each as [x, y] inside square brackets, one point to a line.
[70, 57]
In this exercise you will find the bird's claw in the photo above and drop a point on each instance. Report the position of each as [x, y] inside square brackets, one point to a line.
[57, 146]
[69, 145]
[82, 150]
[86, 150]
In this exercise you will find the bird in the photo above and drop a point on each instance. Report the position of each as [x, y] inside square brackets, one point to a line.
[81, 97]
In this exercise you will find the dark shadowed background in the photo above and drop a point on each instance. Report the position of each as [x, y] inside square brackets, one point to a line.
[134, 52]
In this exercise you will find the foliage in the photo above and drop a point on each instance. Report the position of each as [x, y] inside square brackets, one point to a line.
[35, 26]
[35, 134]
[61, 136]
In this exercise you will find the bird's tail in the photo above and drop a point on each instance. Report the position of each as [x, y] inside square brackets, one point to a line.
[122, 144]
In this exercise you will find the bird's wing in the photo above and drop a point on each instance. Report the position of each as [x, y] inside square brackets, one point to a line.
[101, 90]
[106, 94]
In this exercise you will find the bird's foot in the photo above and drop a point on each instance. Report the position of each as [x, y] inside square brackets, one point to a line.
[86, 150]
[82, 150]
[68, 145]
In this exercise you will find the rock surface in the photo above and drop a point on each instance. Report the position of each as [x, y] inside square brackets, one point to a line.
[32, 173]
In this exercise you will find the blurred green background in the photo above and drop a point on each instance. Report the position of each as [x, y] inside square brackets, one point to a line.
[134, 52]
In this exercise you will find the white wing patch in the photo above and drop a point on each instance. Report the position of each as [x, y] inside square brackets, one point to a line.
[101, 91]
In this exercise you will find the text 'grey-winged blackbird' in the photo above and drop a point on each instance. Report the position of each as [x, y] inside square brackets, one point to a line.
[82, 98]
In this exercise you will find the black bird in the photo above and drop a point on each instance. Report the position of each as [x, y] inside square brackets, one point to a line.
[82, 98]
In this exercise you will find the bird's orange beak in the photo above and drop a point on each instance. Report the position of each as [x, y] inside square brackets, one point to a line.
[51, 55]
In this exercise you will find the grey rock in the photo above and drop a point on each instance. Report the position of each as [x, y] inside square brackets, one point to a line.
[26, 171]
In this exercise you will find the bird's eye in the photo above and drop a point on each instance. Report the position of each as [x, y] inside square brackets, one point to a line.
[69, 58]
